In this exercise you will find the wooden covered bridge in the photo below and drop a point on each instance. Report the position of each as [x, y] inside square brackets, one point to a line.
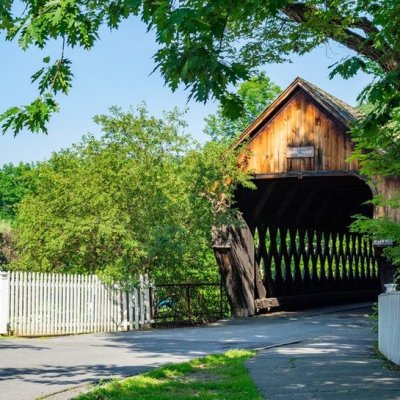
[295, 249]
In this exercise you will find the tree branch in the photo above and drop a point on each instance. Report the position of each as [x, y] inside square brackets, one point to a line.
[366, 25]
[298, 12]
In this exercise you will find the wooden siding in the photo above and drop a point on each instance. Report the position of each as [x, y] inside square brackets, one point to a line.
[299, 123]
[389, 188]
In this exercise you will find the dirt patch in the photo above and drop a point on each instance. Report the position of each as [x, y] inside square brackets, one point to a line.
[200, 376]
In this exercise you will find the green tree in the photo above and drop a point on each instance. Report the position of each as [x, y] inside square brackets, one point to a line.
[142, 198]
[14, 185]
[8, 248]
[256, 94]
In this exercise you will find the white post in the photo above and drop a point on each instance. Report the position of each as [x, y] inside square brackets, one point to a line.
[124, 311]
[389, 325]
[4, 301]
[142, 301]
[136, 300]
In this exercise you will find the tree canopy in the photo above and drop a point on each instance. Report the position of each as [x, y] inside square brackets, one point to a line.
[209, 45]
[142, 198]
[256, 93]
[14, 185]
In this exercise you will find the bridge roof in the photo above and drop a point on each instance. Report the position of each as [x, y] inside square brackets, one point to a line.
[339, 109]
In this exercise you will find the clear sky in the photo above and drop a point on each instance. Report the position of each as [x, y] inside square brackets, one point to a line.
[118, 72]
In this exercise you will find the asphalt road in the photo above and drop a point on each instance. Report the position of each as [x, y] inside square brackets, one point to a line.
[339, 365]
[30, 368]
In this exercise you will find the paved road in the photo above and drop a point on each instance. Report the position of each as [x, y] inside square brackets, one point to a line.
[30, 368]
[340, 364]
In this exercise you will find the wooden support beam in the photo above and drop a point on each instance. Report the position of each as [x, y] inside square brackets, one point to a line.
[338, 211]
[263, 199]
[322, 209]
[286, 202]
[303, 208]
[234, 251]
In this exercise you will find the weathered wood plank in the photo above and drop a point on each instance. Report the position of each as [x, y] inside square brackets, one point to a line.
[236, 263]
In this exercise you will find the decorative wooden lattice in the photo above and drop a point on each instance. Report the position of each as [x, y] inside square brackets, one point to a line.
[304, 261]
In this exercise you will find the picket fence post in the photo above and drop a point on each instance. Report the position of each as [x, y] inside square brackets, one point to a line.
[4, 301]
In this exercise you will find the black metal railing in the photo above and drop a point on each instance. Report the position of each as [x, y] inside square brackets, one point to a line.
[189, 302]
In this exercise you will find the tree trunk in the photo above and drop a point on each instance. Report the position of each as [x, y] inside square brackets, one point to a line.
[234, 250]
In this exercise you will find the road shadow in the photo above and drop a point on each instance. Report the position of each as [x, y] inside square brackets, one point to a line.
[74, 376]
[18, 345]
[332, 367]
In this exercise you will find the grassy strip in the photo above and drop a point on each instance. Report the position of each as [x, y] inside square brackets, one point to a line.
[388, 364]
[222, 376]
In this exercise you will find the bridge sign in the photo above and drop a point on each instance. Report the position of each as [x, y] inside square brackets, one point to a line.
[300, 152]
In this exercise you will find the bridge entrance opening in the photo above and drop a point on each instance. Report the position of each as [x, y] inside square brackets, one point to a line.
[305, 252]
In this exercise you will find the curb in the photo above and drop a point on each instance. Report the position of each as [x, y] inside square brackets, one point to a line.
[69, 393]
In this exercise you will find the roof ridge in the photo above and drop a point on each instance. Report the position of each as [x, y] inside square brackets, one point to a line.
[333, 100]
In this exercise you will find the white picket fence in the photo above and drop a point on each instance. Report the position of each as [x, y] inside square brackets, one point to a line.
[59, 304]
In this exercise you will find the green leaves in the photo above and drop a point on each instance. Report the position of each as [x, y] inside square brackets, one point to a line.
[232, 106]
[55, 78]
[76, 23]
[349, 68]
[353, 65]
[14, 185]
[33, 117]
[51, 80]
[194, 51]
[251, 98]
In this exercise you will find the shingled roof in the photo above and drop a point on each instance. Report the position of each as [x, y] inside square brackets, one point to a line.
[343, 112]
[347, 111]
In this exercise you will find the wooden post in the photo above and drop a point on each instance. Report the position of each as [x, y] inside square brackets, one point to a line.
[234, 250]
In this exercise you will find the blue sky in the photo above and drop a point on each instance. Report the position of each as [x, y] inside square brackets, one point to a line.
[117, 72]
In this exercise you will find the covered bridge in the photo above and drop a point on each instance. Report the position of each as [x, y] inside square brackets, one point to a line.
[295, 249]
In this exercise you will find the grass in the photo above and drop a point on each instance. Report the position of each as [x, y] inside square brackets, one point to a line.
[388, 364]
[221, 376]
